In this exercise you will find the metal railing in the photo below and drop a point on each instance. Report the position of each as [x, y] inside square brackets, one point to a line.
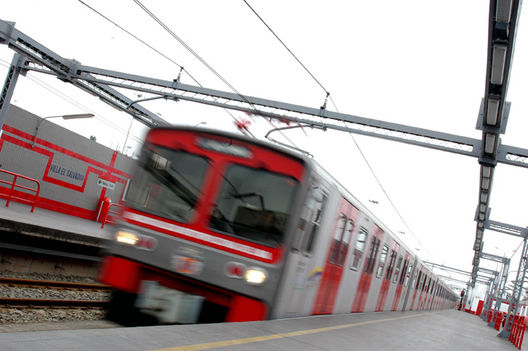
[16, 190]
[106, 209]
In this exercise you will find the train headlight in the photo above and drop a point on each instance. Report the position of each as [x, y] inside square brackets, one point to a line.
[255, 276]
[126, 238]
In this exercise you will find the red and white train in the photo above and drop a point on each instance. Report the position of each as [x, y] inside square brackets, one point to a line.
[220, 227]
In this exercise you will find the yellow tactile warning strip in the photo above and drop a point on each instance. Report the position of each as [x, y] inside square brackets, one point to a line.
[224, 343]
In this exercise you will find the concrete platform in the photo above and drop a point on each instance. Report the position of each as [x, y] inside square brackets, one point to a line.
[62, 225]
[439, 330]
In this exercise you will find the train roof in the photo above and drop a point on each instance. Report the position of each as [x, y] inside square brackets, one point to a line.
[263, 143]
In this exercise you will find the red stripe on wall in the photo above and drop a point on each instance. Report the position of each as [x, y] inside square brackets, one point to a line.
[50, 155]
[114, 157]
[63, 150]
[107, 172]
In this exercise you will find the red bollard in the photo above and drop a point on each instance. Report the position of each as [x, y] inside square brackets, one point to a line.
[105, 208]
[522, 329]
[514, 332]
[498, 321]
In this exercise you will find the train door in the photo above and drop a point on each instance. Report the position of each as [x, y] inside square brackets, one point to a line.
[428, 289]
[430, 300]
[362, 291]
[298, 287]
[385, 285]
[401, 279]
[416, 286]
[408, 284]
[423, 291]
[336, 258]
[427, 292]
[432, 294]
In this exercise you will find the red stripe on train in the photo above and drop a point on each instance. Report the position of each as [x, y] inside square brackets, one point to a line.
[208, 238]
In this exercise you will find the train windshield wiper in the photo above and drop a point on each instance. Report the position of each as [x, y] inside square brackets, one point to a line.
[244, 195]
[177, 187]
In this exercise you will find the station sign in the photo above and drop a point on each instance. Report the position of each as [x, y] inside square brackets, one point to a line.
[105, 183]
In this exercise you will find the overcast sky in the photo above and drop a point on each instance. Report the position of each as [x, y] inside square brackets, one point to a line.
[419, 63]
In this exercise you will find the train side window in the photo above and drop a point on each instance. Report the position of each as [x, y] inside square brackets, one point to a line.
[390, 269]
[316, 206]
[408, 276]
[382, 260]
[337, 239]
[371, 260]
[416, 283]
[403, 275]
[397, 269]
[359, 247]
[343, 249]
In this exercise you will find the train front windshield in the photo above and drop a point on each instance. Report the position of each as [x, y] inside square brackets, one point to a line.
[168, 183]
[251, 203]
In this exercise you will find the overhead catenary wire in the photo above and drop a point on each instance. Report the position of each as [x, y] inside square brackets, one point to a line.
[182, 69]
[328, 96]
[184, 44]
[85, 108]
[199, 58]
[286, 46]
[387, 195]
[237, 121]
[141, 41]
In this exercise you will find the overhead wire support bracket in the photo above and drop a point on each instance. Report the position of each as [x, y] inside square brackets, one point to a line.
[41, 59]
[494, 111]
[304, 115]
[99, 81]
[292, 127]
[517, 290]
[507, 229]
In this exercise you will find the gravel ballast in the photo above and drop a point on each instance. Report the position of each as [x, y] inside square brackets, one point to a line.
[39, 315]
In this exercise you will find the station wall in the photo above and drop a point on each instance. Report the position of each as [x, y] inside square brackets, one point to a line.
[75, 173]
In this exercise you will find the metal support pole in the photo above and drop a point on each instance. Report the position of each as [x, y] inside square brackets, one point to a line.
[9, 85]
[487, 299]
[490, 306]
[517, 292]
[501, 289]
[468, 299]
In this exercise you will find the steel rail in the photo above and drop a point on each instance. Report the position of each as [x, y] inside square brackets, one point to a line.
[32, 303]
[52, 284]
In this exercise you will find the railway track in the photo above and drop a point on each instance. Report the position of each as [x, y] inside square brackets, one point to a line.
[52, 284]
[40, 303]
[45, 287]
